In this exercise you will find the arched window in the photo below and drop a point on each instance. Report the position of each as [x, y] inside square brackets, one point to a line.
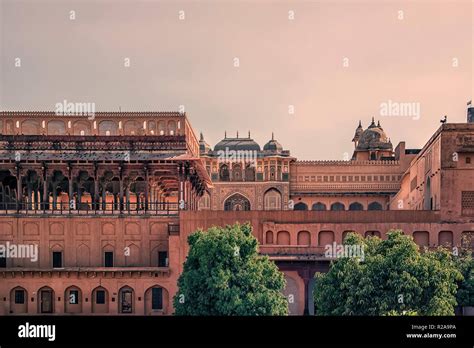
[161, 128]
[224, 173]
[300, 206]
[45, 300]
[156, 300]
[56, 127]
[236, 202]
[249, 173]
[319, 206]
[283, 238]
[445, 238]
[126, 300]
[269, 237]
[356, 206]
[325, 238]
[100, 300]
[73, 300]
[108, 128]
[304, 238]
[18, 300]
[375, 206]
[171, 127]
[369, 234]
[272, 199]
[236, 172]
[337, 206]
[422, 238]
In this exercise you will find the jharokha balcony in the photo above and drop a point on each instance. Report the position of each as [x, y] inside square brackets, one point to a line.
[101, 174]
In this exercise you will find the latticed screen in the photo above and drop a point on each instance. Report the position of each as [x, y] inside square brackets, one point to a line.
[467, 202]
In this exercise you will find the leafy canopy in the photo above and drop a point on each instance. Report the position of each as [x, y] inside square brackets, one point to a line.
[393, 279]
[224, 275]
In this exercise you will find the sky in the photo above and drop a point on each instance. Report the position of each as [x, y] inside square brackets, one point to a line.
[306, 70]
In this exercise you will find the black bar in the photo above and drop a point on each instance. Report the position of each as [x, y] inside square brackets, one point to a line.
[287, 331]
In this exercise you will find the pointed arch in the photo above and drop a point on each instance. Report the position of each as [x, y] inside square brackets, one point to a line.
[236, 201]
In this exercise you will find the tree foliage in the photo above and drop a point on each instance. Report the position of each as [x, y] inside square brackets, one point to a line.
[465, 264]
[393, 279]
[224, 275]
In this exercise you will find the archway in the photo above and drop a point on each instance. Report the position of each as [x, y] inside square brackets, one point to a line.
[272, 199]
[45, 300]
[356, 206]
[300, 206]
[18, 300]
[126, 300]
[236, 202]
[375, 206]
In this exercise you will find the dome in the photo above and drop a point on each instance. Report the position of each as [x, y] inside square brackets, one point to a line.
[246, 144]
[273, 146]
[374, 138]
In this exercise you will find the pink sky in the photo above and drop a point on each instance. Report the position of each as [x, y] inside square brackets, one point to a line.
[283, 62]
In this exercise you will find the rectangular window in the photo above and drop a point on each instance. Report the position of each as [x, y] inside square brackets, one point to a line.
[3, 262]
[100, 297]
[74, 296]
[57, 259]
[157, 298]
[162, 259]
[356, 178]
[19, 296]
[109, 259]
[467, 202]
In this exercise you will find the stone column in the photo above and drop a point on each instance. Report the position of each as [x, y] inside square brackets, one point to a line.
[45, 200]
[95, 200]
[146, 187]
[71, 198]
[19, 193]
[121, 189]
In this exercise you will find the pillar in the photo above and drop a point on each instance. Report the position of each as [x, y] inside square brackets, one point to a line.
[71, 198]
[146, 188]
[19, 195]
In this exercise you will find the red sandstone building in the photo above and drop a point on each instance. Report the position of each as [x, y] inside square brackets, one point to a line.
[110, 201]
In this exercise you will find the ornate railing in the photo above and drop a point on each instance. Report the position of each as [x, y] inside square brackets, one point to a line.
[62, 208]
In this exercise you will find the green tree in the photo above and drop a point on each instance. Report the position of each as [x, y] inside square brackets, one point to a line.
[393, 278]
[465, 264]
[224, 275]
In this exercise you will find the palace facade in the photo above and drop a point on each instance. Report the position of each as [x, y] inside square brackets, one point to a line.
[110, 200]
